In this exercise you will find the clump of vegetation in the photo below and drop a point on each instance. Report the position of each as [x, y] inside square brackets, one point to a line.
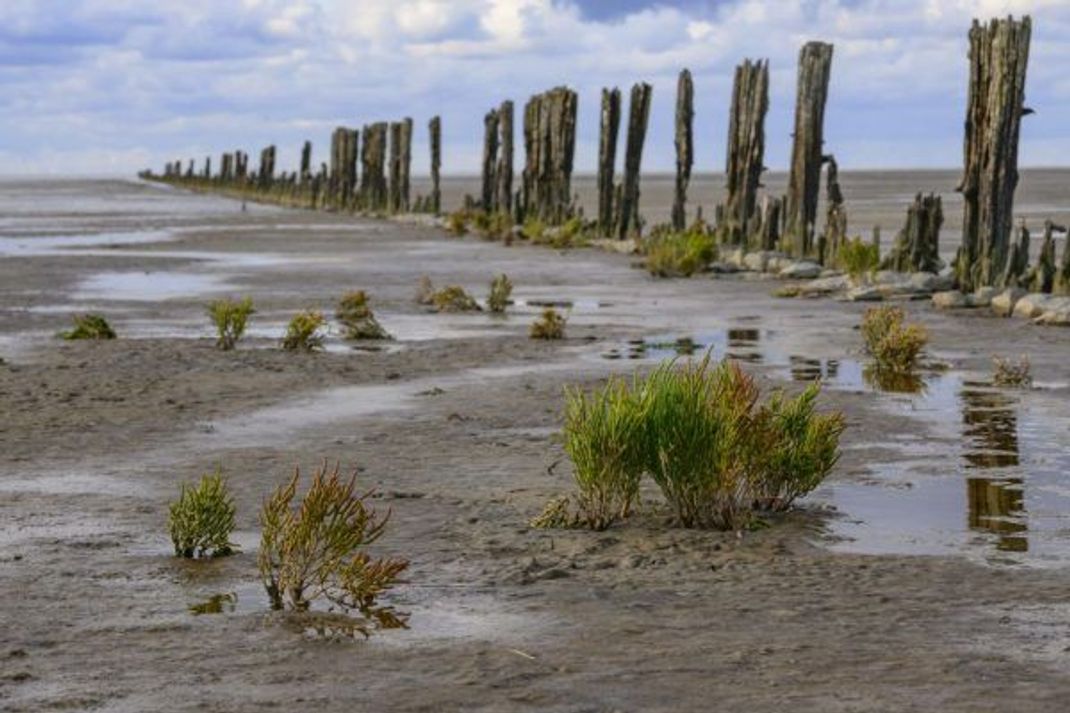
[500, 291]
[603, 437]
[317, 549]
[493, 226]
[90, 326]
[857, 257]
[894, 345]
[356, 316]
[1009, 373]
[718, 456]
[305, 332]
[457, 222]
[230, 317]
[573, 233]
[202, 519]
[534, 230]
[679, 254]
[550, 325]
[454, 299]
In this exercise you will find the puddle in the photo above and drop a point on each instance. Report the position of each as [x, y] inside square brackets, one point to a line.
[148, 286]
[70, 244]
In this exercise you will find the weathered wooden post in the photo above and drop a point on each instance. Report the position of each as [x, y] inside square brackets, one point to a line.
[638, 116]
[1061, 285]
[804, 181]
[1016, 270]
[550, 147]
[835, 215]
[685, 148]
[1042, 278]
[266, 173]
[504, 171]
[434, 128]
[746, 158]
[607, 157]
[769, 221]
[917, 246]
[373, 160]
[999, 54]
[207, 167]
[394, 172]
[306, 161]
[490, 161]
[405, 170]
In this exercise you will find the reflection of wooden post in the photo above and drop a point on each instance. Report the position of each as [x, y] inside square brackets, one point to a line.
[999, 53]
[638, 116]
[746, 156]
[504, 173]
[804, 181]
[685, 149]
[917, 246]
[490, 161]
[607, 157]
[435, 129]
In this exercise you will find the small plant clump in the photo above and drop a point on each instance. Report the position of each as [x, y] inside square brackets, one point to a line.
[454, 299]
[202, 519]
[90, 326]
[549, 325]
[305, 332]
[457, 222]
[230, 317]
[894, 345]
[857, 257]
[316, 548]
[500, 291]
[534, 230]
[1009, 373]
[356, 316]
[718, 456]
[671, 254]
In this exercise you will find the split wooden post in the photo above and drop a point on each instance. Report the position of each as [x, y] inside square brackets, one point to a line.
[917, 246]
[999, 55]
[607, 157]
[685, 148]
[638, 117]
[804, 181]
[550, 148]
[746, 159]
[489, 188]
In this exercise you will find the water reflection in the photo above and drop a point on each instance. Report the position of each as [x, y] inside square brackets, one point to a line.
[998, 506]
[215, 604]
[991, 427]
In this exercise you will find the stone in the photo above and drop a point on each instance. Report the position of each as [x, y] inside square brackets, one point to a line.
[950, 299]
[1033, 305]
[865, 293]
[1003, 303]
[801, 270]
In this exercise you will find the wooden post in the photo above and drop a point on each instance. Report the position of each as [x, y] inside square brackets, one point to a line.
[917, 246]
[405, 170]
[804, 181]
[550, 147]
[395, 167]
[1016, 271]
[490, 161]
[1042, 278]
[306, 161]
[685, 149]
[1061, 285]
[504, 172]
[434, 128]
[746, 157]
[769, 221]
[373, 186]
[835, 215]
[999, 54]
[638, 116]
[607, 157]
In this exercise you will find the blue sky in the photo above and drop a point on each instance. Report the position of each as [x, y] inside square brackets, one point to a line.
[110, 86]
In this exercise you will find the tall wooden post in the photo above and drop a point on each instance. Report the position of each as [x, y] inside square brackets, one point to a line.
[434, 128]
[638, 117]
[685, 149]
[607, 157]
[504, 172]
[550, 147]
[746, 157]
[306, 160]
[804, 182]
[490, 161]
[999, 54]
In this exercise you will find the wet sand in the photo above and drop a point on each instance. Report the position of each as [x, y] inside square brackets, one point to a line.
[928, 574]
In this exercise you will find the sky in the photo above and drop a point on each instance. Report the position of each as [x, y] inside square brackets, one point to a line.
[107, 87]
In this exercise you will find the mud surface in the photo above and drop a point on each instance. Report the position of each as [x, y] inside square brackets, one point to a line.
[928, 574]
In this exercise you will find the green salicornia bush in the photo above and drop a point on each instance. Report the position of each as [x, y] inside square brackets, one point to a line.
[549, 325]
[356, 316]
[857, 257]
[305, 332]
[453, 298]
[893, 344]
[315, 548]
[603, 438]
[202, 519]
[671, 254]
[230, 317]
[500, 291]
[1009, 373]
[89, 326]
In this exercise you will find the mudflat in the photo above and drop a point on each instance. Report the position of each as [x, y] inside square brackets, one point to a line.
[930, 573]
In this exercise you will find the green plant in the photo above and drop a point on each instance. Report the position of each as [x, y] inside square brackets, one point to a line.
[602, 436]
[457, 222]
[90, 326]
[454, 299]
[794, 448]
[894, 346]
[694, 441]
[857, 257]
[316, 548]
[669, 254]
[305, 332]
[500, 291]
[549, 325]
[1007, 373]
[230, 318]
[570, 234]
[202, 519]
[356, 316]
[534, 230]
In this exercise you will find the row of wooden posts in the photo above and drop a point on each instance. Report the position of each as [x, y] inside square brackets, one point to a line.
[374, 176]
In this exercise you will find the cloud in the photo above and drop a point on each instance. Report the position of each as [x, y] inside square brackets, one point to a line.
[143, 83]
